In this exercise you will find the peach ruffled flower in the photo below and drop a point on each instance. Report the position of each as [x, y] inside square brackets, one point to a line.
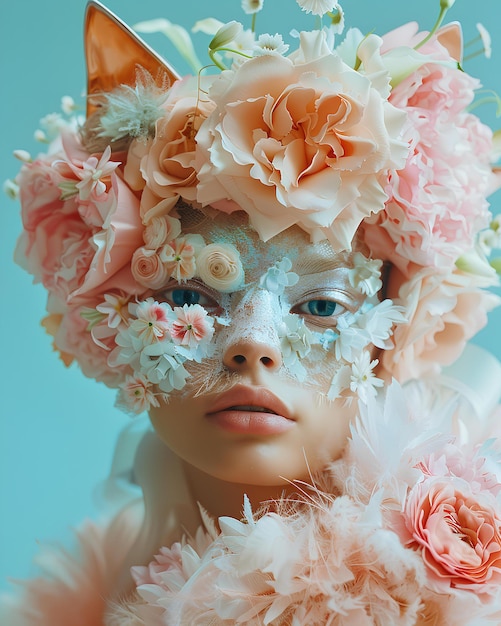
[458, 532]
[301, 140]
[220, 267]
[167, 164]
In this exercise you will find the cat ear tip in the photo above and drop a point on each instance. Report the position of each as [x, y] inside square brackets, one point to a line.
[113, 51]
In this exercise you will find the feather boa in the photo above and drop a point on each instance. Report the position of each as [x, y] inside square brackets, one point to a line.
[404, 529]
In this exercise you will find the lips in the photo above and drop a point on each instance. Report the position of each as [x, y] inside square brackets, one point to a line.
[251, 410]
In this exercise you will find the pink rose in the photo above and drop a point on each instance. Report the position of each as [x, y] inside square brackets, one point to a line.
[148, 269]
[167, 165]
[458, 532]
[304, 140]
[73, 246]
[443, 311]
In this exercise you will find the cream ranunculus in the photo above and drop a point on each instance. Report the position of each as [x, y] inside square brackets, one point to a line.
[220, 267]
[302, 140]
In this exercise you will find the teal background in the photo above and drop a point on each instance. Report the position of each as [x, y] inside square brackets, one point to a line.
[57, 428]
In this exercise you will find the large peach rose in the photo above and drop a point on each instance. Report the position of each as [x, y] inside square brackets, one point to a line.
[302, 140]
[459, 534]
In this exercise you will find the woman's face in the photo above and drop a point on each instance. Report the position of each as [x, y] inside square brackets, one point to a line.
[256, 411]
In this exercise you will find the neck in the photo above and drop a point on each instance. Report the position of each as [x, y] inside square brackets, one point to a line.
[221, 498]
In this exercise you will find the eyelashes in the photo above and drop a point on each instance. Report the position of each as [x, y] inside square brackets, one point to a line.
[318, 307]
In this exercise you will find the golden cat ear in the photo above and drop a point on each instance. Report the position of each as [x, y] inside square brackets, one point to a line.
[113, 52]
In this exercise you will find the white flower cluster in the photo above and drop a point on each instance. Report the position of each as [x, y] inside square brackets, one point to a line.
[156, 343]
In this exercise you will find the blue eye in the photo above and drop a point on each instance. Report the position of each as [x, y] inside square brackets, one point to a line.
[184, 296]
[189, 295]
[320, 308]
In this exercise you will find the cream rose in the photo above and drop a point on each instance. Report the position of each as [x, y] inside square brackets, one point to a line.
[220, 267]
[147, 268]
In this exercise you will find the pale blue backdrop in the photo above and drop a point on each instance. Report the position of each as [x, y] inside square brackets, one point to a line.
[57, 428]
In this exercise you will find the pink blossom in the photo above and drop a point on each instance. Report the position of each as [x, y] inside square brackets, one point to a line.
[458, 532]
[304, 140]
[191, 326]
[152, 321]
[179, 256]
[136, 394]
[93, 175]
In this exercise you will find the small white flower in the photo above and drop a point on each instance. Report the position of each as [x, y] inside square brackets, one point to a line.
[317, 7]
[486, 40]
[295, 343]
[270, 44]
[378, 321]
[162, 364]
[68, 105]
[252, 6]
[278, 277]
[363, 381]
[365, 275]
[225, 35]
[11, 189]
[23, 155]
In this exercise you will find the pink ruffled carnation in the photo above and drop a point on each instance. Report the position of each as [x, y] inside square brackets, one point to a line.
[300, 140]
[438, 200]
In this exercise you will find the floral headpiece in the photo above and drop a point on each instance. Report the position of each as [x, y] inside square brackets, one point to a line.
[344, 135]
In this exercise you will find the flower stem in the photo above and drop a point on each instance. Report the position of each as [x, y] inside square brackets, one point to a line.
[438, 23]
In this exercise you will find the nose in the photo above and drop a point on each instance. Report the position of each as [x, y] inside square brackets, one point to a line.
[251, 354]
[251, 342]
